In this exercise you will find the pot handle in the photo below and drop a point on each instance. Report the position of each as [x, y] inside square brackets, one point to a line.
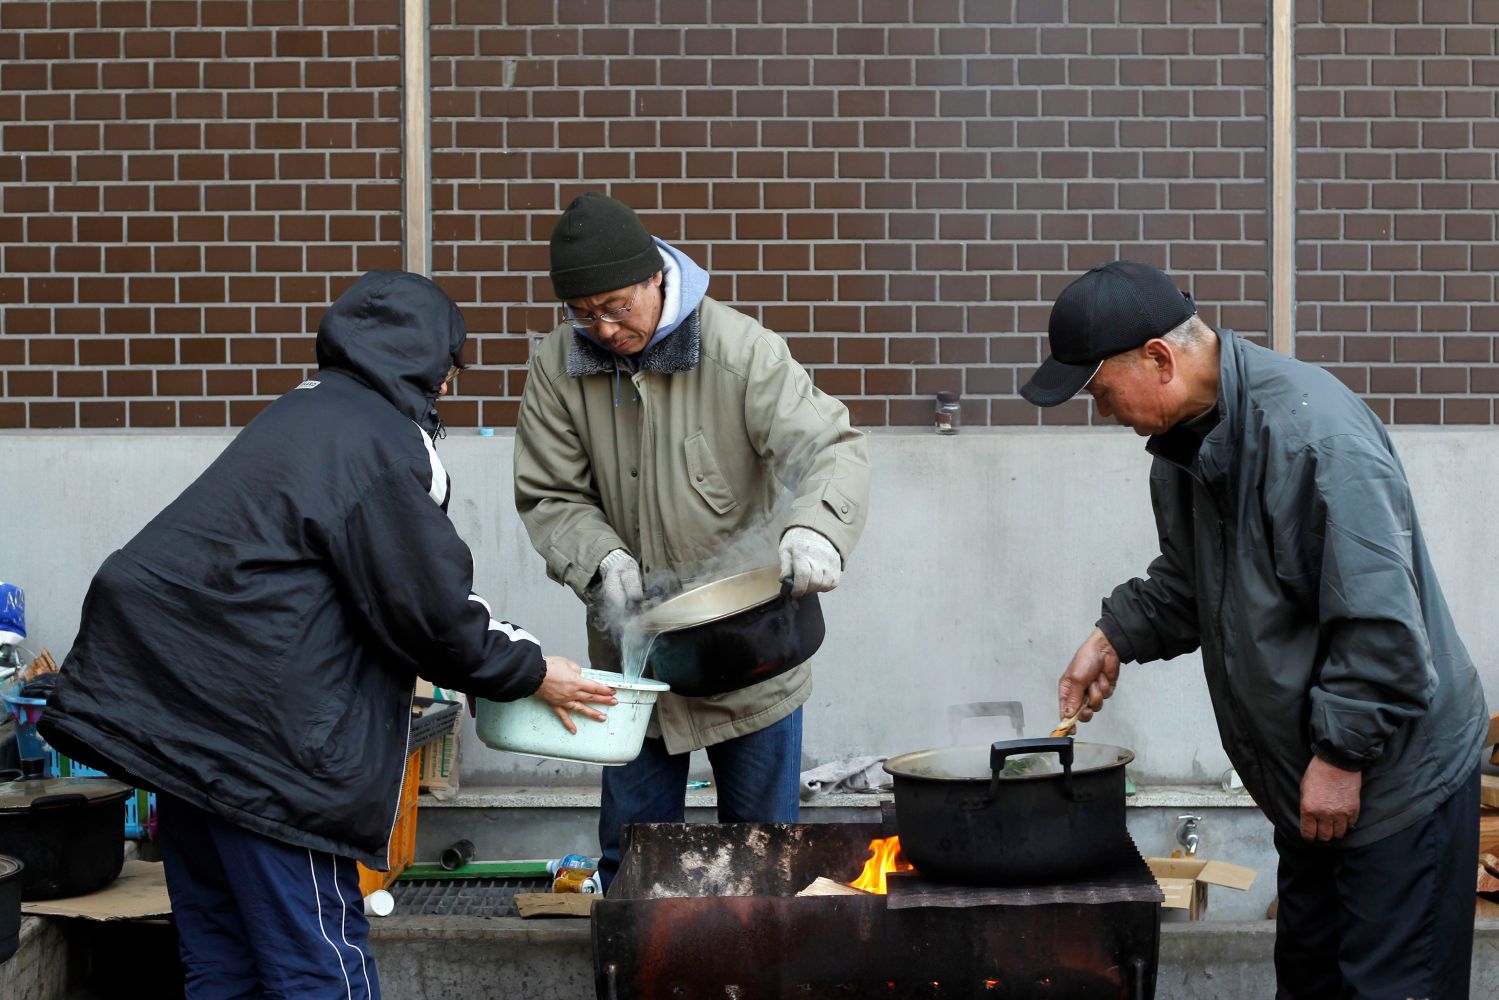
[68, 800]
[786, 584]
[1002, 749]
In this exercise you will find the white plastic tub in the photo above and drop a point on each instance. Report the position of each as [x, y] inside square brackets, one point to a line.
[529, 726]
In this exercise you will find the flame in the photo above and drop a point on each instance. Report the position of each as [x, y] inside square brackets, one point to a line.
[884, 858]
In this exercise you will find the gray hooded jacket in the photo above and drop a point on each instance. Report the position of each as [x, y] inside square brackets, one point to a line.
[1291, 553]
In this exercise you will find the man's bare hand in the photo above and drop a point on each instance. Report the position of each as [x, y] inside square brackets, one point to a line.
[1329, 800]
[1089, 678]
[567, 691]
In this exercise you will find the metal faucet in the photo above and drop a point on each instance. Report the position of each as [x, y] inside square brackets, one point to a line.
[1186, 834]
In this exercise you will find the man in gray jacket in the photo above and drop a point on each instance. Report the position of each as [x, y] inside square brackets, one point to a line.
[666, 440]
[1292, 557]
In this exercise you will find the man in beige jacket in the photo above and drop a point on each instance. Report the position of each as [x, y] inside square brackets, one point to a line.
[661, 434]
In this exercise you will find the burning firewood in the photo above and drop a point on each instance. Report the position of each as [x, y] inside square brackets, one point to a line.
[827, 887]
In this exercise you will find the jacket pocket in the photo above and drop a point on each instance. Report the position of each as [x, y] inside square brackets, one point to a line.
[705, 477]
[842, 506]
[324, 720]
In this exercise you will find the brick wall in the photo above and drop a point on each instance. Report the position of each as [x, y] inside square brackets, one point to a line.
[1397, 193]
[183, 187]
[899, 186]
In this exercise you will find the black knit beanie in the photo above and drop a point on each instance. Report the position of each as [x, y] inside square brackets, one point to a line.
[599, 245]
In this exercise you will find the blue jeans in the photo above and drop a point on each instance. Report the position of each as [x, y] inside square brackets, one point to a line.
[259, 918]
[758, 778]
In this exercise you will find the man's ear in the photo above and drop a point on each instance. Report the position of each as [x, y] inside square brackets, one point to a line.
[1159, 353]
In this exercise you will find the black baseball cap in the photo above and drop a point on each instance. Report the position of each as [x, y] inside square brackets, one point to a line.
[1115, 307]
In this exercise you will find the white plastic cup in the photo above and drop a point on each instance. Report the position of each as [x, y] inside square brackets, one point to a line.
[379, 904]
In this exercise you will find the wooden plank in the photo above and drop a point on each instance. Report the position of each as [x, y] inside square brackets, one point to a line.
[1488, 791]
[555, 904]
[827, 887]
[1488, 831]
[1493, 736]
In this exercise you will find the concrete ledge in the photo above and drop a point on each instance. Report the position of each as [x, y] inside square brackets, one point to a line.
[45, 965]
[1188, 797]
[451, 958]
[587, 797]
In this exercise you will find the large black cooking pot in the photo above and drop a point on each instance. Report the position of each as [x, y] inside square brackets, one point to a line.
[68, 832]
[730, 634]
[10, 906]
[1016, 812]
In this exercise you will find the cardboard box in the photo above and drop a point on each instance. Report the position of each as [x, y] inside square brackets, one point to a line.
[439, 765]
[1185, 881]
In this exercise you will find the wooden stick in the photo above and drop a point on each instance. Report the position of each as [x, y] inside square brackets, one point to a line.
[1068, 724]
[827, 887]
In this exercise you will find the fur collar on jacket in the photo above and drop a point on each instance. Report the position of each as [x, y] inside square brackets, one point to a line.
[678, 352]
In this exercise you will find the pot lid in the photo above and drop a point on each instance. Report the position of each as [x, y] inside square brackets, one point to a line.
[714, 601]
[969, 763]
[17, 796]
[8, 867]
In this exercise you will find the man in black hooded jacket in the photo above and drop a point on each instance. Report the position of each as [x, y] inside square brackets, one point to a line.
[252, 653]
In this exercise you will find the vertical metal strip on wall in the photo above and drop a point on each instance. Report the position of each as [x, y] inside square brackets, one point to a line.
[1282, 127]
[416, 139]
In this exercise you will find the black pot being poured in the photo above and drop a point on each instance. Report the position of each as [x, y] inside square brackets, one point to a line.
[1011, 813]
[731, 633]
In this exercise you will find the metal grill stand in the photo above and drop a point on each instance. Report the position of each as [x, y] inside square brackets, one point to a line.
[704, 910]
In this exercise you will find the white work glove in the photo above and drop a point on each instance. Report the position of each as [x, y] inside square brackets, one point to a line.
[619, 582]
[809, 561]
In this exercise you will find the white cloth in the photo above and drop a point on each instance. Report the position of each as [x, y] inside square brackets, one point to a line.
[810, 561]
[847, 774]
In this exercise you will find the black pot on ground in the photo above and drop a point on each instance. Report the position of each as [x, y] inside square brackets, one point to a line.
[11, 871]
[68, 832]
[730, 634]
[1016, 812]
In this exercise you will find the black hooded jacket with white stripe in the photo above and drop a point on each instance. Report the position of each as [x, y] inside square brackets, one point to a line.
[254, 649]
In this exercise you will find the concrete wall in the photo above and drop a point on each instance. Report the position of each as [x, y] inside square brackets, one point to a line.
[981, 569]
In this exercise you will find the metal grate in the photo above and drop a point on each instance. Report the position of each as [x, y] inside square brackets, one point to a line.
[464, 897]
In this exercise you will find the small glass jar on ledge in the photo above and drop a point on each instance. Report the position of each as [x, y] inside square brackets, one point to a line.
[949, 413]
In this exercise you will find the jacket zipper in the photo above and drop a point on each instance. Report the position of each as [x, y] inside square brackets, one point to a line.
[395, 815]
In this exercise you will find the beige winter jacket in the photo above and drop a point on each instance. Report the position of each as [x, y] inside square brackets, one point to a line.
[689, 465]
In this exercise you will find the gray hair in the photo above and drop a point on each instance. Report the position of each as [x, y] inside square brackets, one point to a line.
[1190, 335]
[1186, 338]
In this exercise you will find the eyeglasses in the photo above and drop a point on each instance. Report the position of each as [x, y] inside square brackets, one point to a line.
[612, 316]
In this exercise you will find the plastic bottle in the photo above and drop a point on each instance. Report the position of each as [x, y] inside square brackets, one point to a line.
[570, 861]
[11, 661]
[584, 880]
[379, 904]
